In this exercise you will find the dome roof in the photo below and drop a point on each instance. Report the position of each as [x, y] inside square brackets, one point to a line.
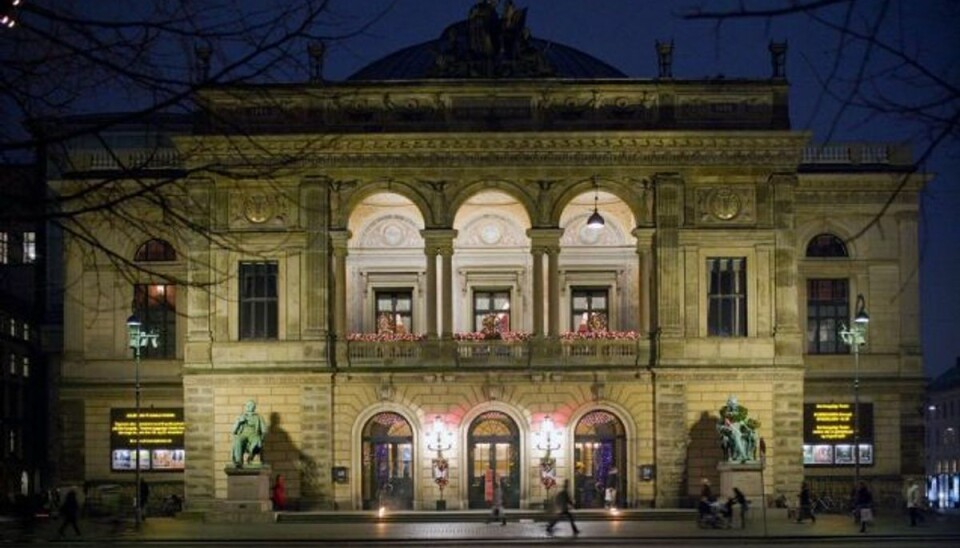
[454, 55]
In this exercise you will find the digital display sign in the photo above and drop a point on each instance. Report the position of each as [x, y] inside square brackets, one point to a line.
[161, 439]
[833, 423]
[828, 434]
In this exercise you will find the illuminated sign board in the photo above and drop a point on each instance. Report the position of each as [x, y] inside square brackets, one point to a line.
[161, 439]
[828, 434]
[833, 423]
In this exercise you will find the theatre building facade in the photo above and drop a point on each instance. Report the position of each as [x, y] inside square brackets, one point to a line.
[407, 273]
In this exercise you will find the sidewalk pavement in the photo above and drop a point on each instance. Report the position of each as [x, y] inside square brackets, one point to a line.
[940, 530]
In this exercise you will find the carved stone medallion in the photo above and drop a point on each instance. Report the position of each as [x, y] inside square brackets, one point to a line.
[724, 204]
[257, 208]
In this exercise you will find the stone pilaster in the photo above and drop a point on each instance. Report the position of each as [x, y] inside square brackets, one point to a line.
[789, 342]
[199, 441]
[669, 405]
[316, 409]
[315, 267]
[668, 213]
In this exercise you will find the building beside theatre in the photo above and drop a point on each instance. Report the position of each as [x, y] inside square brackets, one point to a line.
[398, 269]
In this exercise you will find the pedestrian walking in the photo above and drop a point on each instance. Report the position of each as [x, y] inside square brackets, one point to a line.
[864, 506]
[69, 512]
[741, 499]
[914, 503]
[806, 504]
[496, 505]
[564, 503]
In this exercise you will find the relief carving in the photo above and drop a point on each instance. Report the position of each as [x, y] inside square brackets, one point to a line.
[391, 231]
[726, 205]
[258, 208]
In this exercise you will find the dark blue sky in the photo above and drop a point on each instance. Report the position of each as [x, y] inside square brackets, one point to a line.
[622, 33]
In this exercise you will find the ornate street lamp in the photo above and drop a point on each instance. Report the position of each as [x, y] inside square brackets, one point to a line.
[855, 337]
[138, 339]
[440, 440]
[548, 440]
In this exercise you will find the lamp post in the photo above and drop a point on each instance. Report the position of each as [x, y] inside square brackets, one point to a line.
[855, 337]
[440, 440]
[548, 440]
[138, 339]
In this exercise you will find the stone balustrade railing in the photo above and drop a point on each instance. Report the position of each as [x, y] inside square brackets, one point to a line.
[497, 353]
[857, 154]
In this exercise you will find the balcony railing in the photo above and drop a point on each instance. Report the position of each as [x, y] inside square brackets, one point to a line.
[857, 154]
[543, 352]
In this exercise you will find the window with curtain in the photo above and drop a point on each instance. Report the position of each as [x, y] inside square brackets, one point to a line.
[258, 300]
[727, 297]
[491, 311]
[828, 306]
[589, 309]
[394, 311]
[156, 307]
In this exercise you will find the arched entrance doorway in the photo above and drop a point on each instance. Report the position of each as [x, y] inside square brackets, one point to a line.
[387, 452]
[600, 454]
[494, 453]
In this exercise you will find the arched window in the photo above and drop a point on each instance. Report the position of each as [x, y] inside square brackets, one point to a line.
[387, 451]
[493, 455]
[826, 245]
[154, 251]
[600, 455]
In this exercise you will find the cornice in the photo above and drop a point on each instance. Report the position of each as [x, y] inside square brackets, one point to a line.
[780, 148]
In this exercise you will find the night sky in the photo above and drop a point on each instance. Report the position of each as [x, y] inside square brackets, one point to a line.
[622, 33]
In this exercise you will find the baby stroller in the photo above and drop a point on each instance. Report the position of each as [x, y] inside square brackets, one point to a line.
[715, 516]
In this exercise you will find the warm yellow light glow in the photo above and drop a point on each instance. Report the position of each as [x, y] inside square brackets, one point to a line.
[382, 512]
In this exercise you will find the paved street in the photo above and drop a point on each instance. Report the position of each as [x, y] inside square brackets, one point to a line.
[829, 529]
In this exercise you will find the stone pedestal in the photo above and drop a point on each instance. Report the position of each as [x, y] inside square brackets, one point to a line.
[248, 496]
[745, 476]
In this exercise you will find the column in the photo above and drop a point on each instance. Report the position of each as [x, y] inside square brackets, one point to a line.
[446, 315]
[645, 290]
[546, 241]
[439, 242]
[553, 291]
[338, 240]
[537, 291]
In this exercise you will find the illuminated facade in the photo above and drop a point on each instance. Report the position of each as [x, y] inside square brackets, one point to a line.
[386, 260]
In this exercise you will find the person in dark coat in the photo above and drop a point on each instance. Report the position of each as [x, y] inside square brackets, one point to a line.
[564, 504]
[864, 506]
[142, 500]
[806, 504]
[69, 512]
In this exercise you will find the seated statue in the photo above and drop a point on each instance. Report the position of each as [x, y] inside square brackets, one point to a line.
[738, 436]
[248, 434]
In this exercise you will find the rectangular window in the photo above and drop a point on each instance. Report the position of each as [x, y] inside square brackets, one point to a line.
[589, 309]
[727, 297]
[156, 307]
[26, 366]
[491, 311]
[4, 248]
[828, 306]
[394, 311]
[29, 247]
[258, 300]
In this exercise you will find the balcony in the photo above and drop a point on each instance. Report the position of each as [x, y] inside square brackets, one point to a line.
[413, 352]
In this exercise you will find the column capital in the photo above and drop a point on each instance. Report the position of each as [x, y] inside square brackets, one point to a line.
[435, 240]
[545, 239]
[339, 240]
